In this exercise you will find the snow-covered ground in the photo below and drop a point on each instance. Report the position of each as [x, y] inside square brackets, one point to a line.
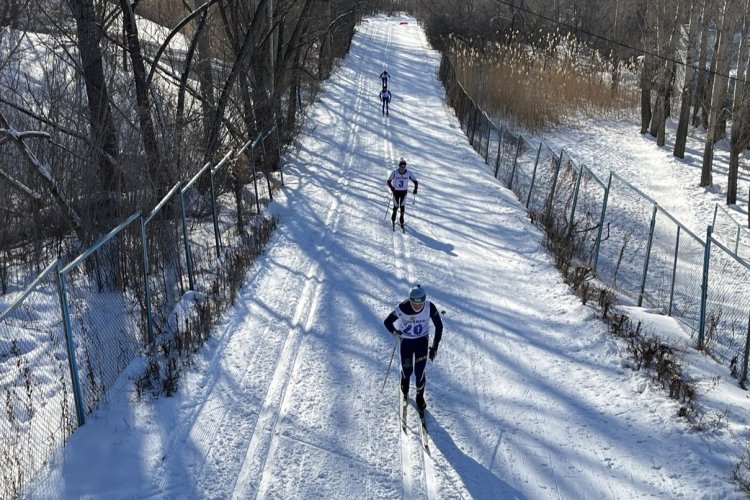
[529, 396]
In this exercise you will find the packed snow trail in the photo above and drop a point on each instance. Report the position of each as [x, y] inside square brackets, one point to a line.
[527, 397]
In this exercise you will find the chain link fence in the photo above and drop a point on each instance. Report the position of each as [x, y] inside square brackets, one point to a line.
[38, 407]
[629, 242]
[68, 336]
[735, 236]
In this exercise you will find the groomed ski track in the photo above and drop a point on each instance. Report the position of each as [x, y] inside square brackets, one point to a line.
[295, 409]
[325, 427]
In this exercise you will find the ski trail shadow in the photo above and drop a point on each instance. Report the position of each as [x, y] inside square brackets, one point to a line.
[480, 482]
[432, 243]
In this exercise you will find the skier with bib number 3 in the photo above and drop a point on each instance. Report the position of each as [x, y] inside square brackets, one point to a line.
[410, 324]
[398, 183]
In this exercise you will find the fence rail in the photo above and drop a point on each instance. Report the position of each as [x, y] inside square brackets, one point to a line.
[67, 337]
[630, 243]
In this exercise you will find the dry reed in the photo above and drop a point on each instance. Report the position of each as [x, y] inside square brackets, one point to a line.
[536, 88]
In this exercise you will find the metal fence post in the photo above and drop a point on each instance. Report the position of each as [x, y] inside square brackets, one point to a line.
[674, 271]
[737, 240]
[473, 122]
[489, 132]
[499, 149]
[255, 178]
[533, 175]
[213, 170]
[743, 378]
[554, 184]
[146, 286]
[214, 217]
[704, 288]
[515, 160]
[648, 255]
[71, 349]
[278, 149]
[575, 201]
[265, 159]
[186, 241]
[465, 112]
[601, 223]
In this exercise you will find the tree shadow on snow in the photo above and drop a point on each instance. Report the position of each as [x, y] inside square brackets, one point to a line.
[431, 242]
[479, 481]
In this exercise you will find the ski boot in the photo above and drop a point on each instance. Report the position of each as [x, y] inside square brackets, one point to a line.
[421, 403]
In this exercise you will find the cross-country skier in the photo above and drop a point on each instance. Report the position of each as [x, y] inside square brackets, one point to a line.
[410, 323]
[384, 76]
[398, 182]
[385, 98]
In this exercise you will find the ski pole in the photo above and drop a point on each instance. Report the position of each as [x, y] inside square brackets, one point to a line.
[390, 363]
[390, 198]
[414, 200]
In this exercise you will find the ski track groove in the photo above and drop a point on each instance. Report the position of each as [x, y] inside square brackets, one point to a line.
[433, 459]
[410, 452]
[218, 393]
[407, 484]
[404, 271]
[258, 463]
[261, 442]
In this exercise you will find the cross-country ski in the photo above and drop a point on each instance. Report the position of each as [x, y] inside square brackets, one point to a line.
[423, 432]
[403, 408]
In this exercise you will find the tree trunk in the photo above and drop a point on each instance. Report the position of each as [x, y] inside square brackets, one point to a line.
[709, 88]
[291, 112]
[242, 56]
[159, 174]
[669, 23]
[645, 94]
[700, 86]
[43, 172]
[718, 92]
[288, 59]
[103, 130]
[206, 101]
[686, 95]
[739, 135]
[203, 68]
[647, 66]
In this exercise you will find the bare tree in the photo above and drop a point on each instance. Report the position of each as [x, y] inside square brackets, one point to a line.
[668, 19]
[159, 173]
[42, 171]
[101, 122]
[740, 135]
[694, 22]
[699, 115]
[203, 63]
[725, 30]
[11, 10]
[647, 65]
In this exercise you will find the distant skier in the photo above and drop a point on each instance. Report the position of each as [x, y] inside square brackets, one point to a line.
[410, 323]
[398, 182]
[385, 99]
[384, 76]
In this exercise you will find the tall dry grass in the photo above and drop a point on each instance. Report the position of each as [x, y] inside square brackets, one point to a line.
[535, 87]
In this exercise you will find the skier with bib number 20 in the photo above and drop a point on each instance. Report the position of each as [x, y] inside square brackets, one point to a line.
[398, 182]
[410, 323]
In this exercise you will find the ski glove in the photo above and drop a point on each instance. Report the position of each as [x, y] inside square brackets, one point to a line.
[433, 352]
[415, 191]
[397, 333]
